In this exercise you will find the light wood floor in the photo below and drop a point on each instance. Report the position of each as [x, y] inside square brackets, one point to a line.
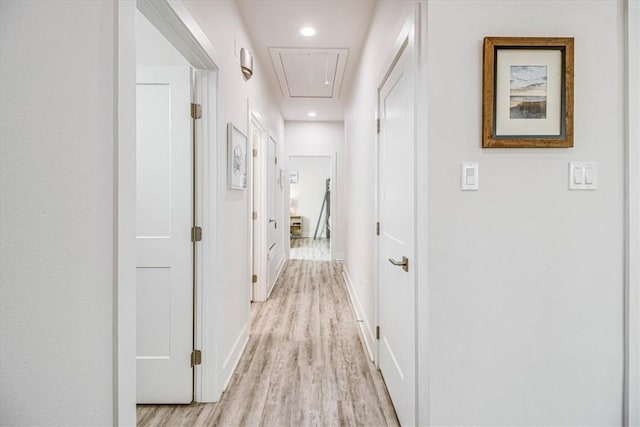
[304, 364]
[310, 249]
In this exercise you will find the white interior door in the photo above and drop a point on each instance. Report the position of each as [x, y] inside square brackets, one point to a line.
[272, 225]
[396, 214]
[164, 248]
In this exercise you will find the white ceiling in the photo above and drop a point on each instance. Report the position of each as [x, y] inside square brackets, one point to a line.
[298, 67]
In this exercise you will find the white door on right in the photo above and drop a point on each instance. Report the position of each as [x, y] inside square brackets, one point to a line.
[396, 347]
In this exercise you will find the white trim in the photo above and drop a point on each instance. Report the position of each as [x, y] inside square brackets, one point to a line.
[233, 358]
[632, 220]
[422, 226]
[175, 22]
[124, 369]
[283, 262]
[366, 332]
[206, 328]
[257, 229]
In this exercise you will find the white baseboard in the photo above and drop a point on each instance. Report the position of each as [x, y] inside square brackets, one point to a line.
[231, 362]
[365, 328]
[283, 262]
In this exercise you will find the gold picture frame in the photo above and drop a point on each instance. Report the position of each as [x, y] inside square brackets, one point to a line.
[527, 92]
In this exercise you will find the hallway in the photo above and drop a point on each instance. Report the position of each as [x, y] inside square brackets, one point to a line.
[305, 248]
[304, 363]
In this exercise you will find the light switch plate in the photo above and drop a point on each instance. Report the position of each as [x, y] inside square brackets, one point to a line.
[583, 175]
[469, 176]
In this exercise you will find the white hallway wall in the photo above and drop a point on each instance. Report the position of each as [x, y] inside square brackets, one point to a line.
[322, 139]
[57, 191]
[526, 277]
[222, 23]
[56, 213]
[525, 282]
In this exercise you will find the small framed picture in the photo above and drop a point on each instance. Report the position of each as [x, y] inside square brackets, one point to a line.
[237, 158]
[527, 92]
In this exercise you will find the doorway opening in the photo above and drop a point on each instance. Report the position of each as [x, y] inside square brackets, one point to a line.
[310, 202]
[165, 333]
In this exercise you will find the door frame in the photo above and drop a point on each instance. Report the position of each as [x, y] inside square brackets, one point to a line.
[271, 279]
[411, 34]
[631, 416]
[175, 23]
[257, 228]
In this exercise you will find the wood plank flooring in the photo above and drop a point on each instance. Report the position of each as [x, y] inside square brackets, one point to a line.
[310, 249]
[304, 364]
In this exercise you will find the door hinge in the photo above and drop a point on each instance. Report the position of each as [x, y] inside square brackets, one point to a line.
[254, 278]
[196, 358]
[377, 332]
[377, 228]
[378, 125]
[196, 234]
[254, 215]
[196, 111]
[275, 160]
[255, 152]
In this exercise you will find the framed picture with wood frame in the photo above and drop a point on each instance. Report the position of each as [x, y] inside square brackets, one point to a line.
[527, 92]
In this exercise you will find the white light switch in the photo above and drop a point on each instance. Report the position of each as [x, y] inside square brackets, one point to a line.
[578, 175]
[469, 179]
[583, 175]
[589, 175]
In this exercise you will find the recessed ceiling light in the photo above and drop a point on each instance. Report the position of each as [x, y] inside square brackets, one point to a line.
[312, 114]
[308, 31]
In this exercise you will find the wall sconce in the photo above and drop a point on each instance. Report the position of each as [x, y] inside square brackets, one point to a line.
[246, 63]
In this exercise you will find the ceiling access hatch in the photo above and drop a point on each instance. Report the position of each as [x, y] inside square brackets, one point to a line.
[309, 73]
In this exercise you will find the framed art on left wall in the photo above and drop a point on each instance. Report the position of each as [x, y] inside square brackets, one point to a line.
[237, 158]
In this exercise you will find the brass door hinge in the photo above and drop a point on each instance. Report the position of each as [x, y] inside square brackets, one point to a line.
[196, 358]
[254, 278]
[377, 228]
[196, 234]
[276, 160]
[255, 152]
[196, 111]
[378, 125]
[377, 332]
[254, 215]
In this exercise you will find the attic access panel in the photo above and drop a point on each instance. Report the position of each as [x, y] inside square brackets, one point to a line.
[309, 73]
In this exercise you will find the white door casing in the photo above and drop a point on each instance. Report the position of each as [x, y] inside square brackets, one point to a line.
[163, 242]
[258, 135]
[272, 217]
[396, 210]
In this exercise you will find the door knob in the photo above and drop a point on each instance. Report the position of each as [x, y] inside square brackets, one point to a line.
[404, 263]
